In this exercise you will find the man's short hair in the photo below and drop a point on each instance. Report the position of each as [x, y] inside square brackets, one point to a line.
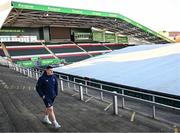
[49, 67]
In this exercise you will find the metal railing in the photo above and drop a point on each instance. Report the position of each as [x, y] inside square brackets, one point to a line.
[124, 95]
[124, 89]
[152, 101]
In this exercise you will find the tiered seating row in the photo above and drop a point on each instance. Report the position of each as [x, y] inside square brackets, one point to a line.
[64, 48]
[27, 52]
[115, 46]
[69, 52]
[72, 53]
[73, 57]
[22, 44]
[93, 47]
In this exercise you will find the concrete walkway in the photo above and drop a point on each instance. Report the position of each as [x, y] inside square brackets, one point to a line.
[21, 110]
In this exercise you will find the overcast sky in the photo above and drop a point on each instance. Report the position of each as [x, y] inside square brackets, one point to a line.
[158, 15]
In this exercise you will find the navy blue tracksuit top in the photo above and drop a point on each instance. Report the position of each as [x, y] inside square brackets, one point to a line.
[47, 86]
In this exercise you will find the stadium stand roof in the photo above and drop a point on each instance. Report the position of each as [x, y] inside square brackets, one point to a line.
[18, 14]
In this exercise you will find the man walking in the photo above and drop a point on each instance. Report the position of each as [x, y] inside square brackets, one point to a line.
[47, 88]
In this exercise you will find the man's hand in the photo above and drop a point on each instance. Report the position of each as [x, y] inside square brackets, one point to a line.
[43, 97]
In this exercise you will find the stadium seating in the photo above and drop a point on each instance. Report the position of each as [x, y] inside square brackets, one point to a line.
[93, 47]
[21, 44]
[25, 51]
[64, 48]
[75, 52]
[73, 58]
[68, 51]
[114, 46]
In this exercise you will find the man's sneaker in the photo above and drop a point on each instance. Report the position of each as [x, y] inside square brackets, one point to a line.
[47, 121]
[57, 125]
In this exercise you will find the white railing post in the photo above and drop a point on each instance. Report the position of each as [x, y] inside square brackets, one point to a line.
[24, 71]
[32, 73]
[115, 103]
[20, 69]
[86, 90]
[81, 93]
[74, 84]
[68, 81]
[101, 92]
[62, 86]
[28, 73]
[123, 103]
[154, 107]
[16, 68]
[37, 75]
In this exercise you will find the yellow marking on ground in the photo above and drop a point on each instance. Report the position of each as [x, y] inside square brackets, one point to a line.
[176, 130]
[133, 116]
